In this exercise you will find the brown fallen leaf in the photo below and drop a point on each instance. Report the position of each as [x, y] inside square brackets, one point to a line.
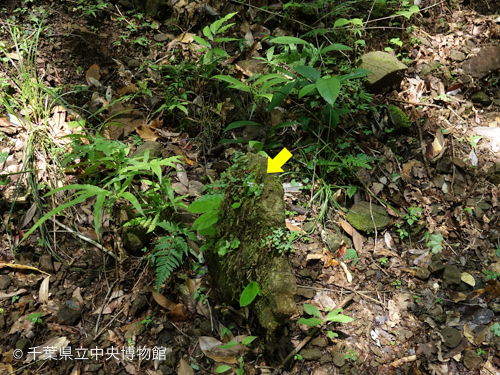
[21, 267]
[92, 72]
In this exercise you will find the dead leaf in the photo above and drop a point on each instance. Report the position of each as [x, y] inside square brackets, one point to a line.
[211, 348]
[11, 294]
[43, 293]
[347, 227]
[184, 368]
[146, 133]
[55, 343]
[21, 267]
[92, 75]
[28, 215]
[127, 89]
[468, 279]
[182, 175]
[493, 288]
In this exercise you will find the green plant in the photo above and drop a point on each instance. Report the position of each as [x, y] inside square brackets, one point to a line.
[146, 321]
[352, 254]
[396, 284]
[351, 354]
[1, 310]
[35, 318]
[118, 183]
[383, 261]
[297, 357]
[319, 320]
[170, 250]
[495, 328]
[491, 275]
[15, 298]
[413, 215]
[226, 331]
[251, 291]
[403, 233]
[281, 239]
[434, 241]
[130, 342]
[480, 351]
[415, 298]
[439, 300]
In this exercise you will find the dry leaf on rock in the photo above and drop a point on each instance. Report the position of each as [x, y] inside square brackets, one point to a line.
[184, 368]
[146, 133]
[93, 75]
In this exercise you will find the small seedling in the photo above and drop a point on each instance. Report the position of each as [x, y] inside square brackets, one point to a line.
[491, 275]
[383, 261]
[495, 328]
[351, 354]
[36, 318]
[130, 342]
[439, 300]
[297, 357]
[146, 321]
[15, 298]
[480, 351]
[396, 284]
[415, 298]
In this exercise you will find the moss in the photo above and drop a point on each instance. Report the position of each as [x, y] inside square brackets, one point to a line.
[398, 118]
[261, 209]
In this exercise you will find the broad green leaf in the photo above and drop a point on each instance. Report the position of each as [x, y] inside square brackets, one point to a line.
[357, 21]
[208, 33]
[288, 40]
[206, 203]
[206, 220]
[352, 254]
[223, 40]
[229, 345]
[306, 90]
[267, 77]
[271, 83]
[312, 322]
[240, 124]
[308, 72]
[335, 47]
[228, 79]
[222, 368]
[334, 316]
[281, 94]
[249, 293]
[312, 310]
[329, 89]
[356, 73]
[351, 190]
[248, 340]
[224, 28]
[256, 145]
[340, 22]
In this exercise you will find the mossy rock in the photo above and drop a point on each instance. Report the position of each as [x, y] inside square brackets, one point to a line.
[260, 212]
[398, 118]
[360, 217]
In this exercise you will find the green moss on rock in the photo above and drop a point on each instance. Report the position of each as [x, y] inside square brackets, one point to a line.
[360, 217]
[398, 118]
[261, 210]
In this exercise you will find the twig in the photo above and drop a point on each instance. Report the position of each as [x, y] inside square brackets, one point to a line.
[313, 333]
[81, 236]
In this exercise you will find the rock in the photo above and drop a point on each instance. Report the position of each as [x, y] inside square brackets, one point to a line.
[398, 118]
[133, 63]
[472, 360]
[452, 275]
[495, 307]
[457, 55]
[386, 71]
[360, 217]
[306, 292]
[451, 337]
[258, 217]
[160, 37]
[46, 263]
[481, 97]
[338, 359]
[493, 174]
[436, 266]
[429, 68]
[5, 282]
[154, 148]
[139, 305]
[134, 240]
[253, 132]
[482, 316]
[326, 359]
[319, 341]
[170, 358]
[484, 63]
[422, 273]
[69, 314]
[310, 354]
[23, 345]
[333, 241]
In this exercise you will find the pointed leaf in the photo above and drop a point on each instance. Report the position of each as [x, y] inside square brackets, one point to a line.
[288, 40]
[312, 322]
[312, 310]
[281, 94]
[329, 89]
[133, 200]
[308, 72]
[240, 124]
[335, 47]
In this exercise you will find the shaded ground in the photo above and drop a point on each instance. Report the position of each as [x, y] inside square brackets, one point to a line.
[416, 312]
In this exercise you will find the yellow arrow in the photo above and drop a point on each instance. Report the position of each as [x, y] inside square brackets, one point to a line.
[274, 165]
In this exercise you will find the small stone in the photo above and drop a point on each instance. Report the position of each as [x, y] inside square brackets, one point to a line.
[68, 316]
[452, 275]
[436, 266]
[472, 360]
[139, 305]
[319, 341]
[423, 273]
[154, 148]
[326, 359]
[360, 217]
[46, 263]
[5, 282]
[495, 307]
[481, 97]
[451, 337]
[338, 359]
[311, 354]
[160, 37]
[306, 292]
[23, 345]
[457, 55]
